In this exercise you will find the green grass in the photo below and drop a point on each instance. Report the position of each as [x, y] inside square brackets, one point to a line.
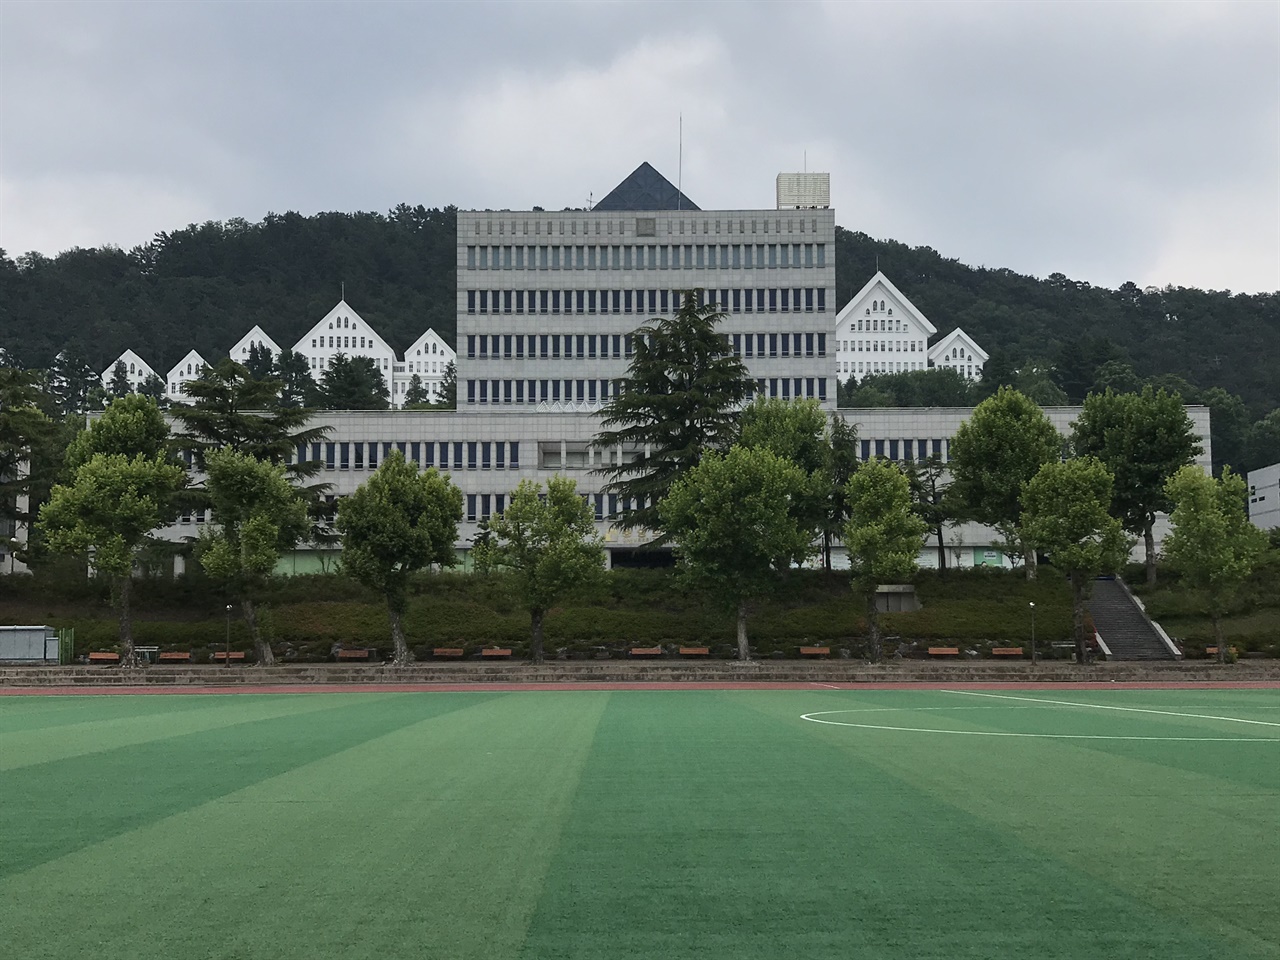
[678, 824]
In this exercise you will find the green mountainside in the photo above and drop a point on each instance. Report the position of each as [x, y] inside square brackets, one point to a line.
[204, 287]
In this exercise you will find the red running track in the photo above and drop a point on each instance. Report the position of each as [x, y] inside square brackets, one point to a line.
[81, 691]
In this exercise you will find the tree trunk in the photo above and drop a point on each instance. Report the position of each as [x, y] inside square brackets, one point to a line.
[124, 592]
[263, 649]
[744, 651]
[826, 550]
[397, 637]
[1149, 543]
[1031, 560]
[942, 551]
[1077, 615]
[1218, 639]
[873, 628]
[536, 646]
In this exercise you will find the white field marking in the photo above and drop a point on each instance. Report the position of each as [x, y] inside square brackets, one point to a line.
[1106, 706]
[813, 718]
[831, 685]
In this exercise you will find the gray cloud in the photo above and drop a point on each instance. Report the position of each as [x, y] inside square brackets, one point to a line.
[1111, 142]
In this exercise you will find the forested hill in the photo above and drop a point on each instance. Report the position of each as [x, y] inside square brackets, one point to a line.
[205, 286]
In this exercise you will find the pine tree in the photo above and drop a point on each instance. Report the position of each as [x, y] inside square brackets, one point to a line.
[679, 400]
[120, 385]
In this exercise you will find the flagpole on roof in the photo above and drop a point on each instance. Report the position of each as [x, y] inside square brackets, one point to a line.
[680, 166]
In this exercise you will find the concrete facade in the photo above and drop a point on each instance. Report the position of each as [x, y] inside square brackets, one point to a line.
[1264, 497]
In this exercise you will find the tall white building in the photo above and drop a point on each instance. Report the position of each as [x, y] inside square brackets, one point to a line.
[1264, 497]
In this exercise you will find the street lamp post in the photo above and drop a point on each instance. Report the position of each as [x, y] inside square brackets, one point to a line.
[1033, 631]
[227, 662]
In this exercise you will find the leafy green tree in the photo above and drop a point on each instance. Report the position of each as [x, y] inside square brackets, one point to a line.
[1116, 375]
[260, 363]
[1263, 441]
[354, 383]
[71, 381]
[1000, 370]
[883, 536]
[928, 481]
[548, 546]
[297, 387]
[794, 430]
[229, 409]
[109, 511]
[678, 401]
[416, 395]
[28, 448]
[259, 517]
[154, 388]
[130, 426]
[865, 395]
[733, 530]
[1066, 508]
[1213, 545]
[1142, 439]
[396, 523]
[994, 454]
[119, 386]
[1228, 426]
[841, 456]
[1037, 384]
[449, 388]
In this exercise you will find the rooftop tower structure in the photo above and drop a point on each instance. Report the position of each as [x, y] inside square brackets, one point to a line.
[804, 191]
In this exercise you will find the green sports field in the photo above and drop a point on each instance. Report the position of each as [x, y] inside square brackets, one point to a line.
[698, 824]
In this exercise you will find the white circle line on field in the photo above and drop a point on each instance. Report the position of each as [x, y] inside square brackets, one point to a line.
[813, 718]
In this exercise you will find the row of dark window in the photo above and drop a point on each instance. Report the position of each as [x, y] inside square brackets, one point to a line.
[590, 346]
[649, 302]
[483, 506]
[445, 454]
[660, 256]
[602, 390]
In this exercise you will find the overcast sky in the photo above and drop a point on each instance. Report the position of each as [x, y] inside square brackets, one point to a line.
[1108, 141]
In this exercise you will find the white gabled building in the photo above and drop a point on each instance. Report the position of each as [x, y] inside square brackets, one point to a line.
[188, 368]
[881, 331]
[427, 357]
[135, 368]
[343, 331]
[958, 351]
[255, 337]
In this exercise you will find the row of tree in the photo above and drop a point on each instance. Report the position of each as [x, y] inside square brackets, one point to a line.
[744, 491]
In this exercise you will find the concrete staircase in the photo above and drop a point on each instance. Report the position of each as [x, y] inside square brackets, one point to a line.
[1123, 625]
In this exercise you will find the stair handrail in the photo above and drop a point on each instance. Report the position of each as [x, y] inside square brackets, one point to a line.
[1142, 607]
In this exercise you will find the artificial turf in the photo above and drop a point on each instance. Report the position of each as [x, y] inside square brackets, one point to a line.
[674, 824]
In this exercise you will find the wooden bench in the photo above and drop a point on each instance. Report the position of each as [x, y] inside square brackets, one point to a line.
[815, 651]
[354, 654]
[224, 657]
[646, 651]
[695, 651]
[178, 656]
[101, 656]
[496, 652]
[448, 652]
[1006, 651]
[944, 651]
[1213, 651]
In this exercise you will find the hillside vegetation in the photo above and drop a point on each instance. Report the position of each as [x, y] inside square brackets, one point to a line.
[205, 285]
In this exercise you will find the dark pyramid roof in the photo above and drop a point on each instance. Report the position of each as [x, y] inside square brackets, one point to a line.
[645, 189]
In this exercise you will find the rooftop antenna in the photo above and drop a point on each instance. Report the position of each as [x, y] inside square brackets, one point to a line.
[590, 199]
[680, 166]
[806, 161]
[344, 291]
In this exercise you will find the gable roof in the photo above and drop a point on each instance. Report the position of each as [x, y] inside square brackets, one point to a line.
[240, 352]
[194, 358]
[645, 189]
[957, 336]
[898, 296]
[357, 324]
[143, 368]
[428, 335]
